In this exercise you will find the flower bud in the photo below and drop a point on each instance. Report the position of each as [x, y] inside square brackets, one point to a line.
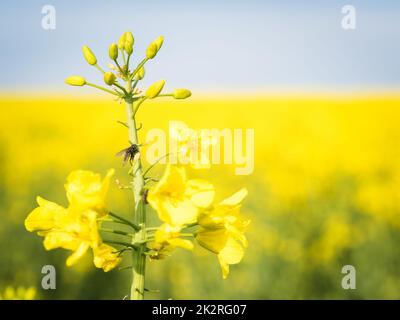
[153, 48]
[109, 78]
[113, 51]
[159, 42]
[129, 38]
[121, 41]
[75, 81]
[140, 74]
[89, 56]
[155, 89]
[151, 51]
[181, 93]
[128, 47]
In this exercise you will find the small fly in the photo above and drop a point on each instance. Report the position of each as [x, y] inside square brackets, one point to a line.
[129, 153]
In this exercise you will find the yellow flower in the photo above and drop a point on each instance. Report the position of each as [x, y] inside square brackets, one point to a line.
[86, 190]
[64, 228]
[105, 257]
[191, 145]
[76, 231]
[221, 231]
[167, 238]
[75, 228]
[178, 200]
[21, 293]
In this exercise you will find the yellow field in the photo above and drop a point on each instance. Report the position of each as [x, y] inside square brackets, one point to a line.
[325, 192]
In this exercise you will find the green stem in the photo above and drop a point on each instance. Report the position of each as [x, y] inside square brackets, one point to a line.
[127, 64]
[141, 64]
[190, 225]
[119, 67]
[125, 268]
[102, 220]
[99, 68]
[134, 226]
[119, 86]
[155, 163]
[139, 257]
[122, 243]
[123, 56]
[186, 235]
[101, 88]
[152, 229]
[165, 95]
[123, 123]
[109, 230]
[134, 84]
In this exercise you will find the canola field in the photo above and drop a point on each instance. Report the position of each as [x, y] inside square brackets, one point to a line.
[324, 193]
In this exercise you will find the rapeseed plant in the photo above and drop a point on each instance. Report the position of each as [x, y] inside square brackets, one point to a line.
[185, 206]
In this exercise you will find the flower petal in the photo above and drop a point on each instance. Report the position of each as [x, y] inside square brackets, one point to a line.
[44, 216]
[213, 240]
[173, 181]
[235, 199]
[182, 243]
[86, 190]
[201, 192]
[232, 253]
[79, 252]
[61, 239]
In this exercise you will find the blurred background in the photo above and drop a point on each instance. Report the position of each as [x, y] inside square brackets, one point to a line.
[324, 103]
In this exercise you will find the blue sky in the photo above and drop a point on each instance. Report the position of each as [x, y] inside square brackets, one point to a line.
[209, 45]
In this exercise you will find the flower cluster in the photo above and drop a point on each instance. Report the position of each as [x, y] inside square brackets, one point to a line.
[185, 204]
[120, 69]
[76, 228]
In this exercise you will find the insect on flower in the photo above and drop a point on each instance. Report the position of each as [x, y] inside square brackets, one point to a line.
[129, 153]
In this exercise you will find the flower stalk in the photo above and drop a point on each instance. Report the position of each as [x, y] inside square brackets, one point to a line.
[139, 259]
